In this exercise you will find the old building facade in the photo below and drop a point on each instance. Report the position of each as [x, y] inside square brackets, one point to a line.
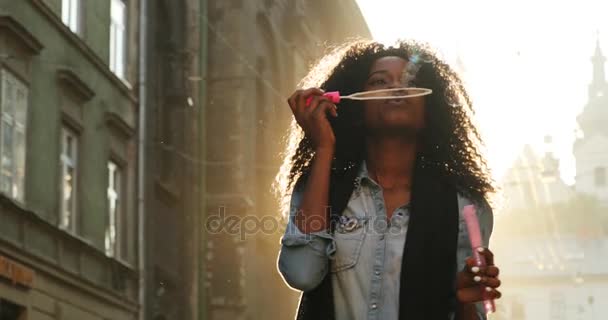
[67, 206]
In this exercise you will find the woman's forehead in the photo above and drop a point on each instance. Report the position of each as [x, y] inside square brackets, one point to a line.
[388, 63]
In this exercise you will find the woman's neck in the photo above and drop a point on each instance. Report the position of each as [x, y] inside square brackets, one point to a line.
[390, 160]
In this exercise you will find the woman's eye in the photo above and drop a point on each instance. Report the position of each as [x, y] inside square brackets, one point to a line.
[377, 82]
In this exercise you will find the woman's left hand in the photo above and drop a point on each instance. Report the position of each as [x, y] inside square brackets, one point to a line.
[475, 284]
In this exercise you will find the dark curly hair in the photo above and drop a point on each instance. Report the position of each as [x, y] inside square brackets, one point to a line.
[449, 142]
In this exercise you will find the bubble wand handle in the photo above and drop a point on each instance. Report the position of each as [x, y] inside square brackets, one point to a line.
[334, 97]
[470, 218]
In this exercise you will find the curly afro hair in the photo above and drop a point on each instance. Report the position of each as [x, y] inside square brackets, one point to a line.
[450, 143]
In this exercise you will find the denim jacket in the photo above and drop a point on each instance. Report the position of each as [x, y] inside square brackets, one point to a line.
[365, 252]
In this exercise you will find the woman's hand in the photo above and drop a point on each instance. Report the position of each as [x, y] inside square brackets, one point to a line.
[313, 118]
[475, 284]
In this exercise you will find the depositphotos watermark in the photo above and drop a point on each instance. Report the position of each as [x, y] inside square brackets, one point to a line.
[243, 225]
[256, 225]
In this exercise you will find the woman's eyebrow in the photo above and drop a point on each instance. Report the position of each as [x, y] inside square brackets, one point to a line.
[379, 71]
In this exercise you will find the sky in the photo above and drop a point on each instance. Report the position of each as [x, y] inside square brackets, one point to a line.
[527, 63]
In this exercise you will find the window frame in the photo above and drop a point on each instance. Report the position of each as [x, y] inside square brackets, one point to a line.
[119, 216]
[17, 192]
[68, 131]
[114, 53]
[75, 24]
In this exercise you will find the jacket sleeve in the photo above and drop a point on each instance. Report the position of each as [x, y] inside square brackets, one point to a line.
[303, 259]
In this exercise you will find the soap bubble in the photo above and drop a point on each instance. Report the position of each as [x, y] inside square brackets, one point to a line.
[408, 76]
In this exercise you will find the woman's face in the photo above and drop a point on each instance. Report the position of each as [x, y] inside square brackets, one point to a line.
[391, 115]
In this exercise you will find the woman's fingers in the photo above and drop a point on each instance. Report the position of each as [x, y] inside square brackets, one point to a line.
[497, 294]
[477, 283]
[476, 294]
[473, 275]
[322, 107]
[487, 281]
[466, 279]
[491, 294]
[491, 271]
[312, 106]
[301, 99]
[297, 100]
[313, 118]
[484, 252]
[487, 254]
[292, 100]
[470, 263]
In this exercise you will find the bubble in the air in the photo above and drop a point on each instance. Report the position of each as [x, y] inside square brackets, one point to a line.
[411, 70]
[415, 58]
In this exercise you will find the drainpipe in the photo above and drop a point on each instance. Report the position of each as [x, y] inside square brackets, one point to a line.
[141, 136]
[202, 212]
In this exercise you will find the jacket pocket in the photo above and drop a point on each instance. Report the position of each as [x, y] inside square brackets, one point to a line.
[348, 238]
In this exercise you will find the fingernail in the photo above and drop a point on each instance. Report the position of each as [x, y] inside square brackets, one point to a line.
[480, 249]
[488, 289]
[477, 278]
[475, 269]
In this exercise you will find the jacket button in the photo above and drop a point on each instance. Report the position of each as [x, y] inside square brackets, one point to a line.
[374, 306]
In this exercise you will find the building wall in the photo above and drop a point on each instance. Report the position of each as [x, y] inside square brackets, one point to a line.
[69, 85]
[173, 169]
[530, 182]
[592, 153]
[591, 147]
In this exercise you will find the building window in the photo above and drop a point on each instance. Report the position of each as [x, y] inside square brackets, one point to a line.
[118, 32]
[12, 135]
[116, 223]
[69, 174]
[599, 176]
[11, 311]
[70, 14]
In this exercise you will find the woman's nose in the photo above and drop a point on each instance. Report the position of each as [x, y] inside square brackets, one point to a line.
[397, 83]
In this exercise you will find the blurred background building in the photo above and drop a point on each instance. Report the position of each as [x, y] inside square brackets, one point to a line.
[124, 125]
[553, 237]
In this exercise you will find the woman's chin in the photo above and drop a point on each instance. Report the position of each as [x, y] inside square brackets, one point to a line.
[397, 128]
[396, 121]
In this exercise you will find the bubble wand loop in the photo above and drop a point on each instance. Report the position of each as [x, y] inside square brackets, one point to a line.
[335, 97]
[472, 223]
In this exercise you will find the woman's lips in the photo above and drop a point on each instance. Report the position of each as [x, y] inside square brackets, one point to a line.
[395, 101]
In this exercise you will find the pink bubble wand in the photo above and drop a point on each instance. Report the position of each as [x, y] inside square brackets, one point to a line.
[470, 217]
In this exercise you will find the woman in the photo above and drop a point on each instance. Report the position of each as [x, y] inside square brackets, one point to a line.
[375, 228]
